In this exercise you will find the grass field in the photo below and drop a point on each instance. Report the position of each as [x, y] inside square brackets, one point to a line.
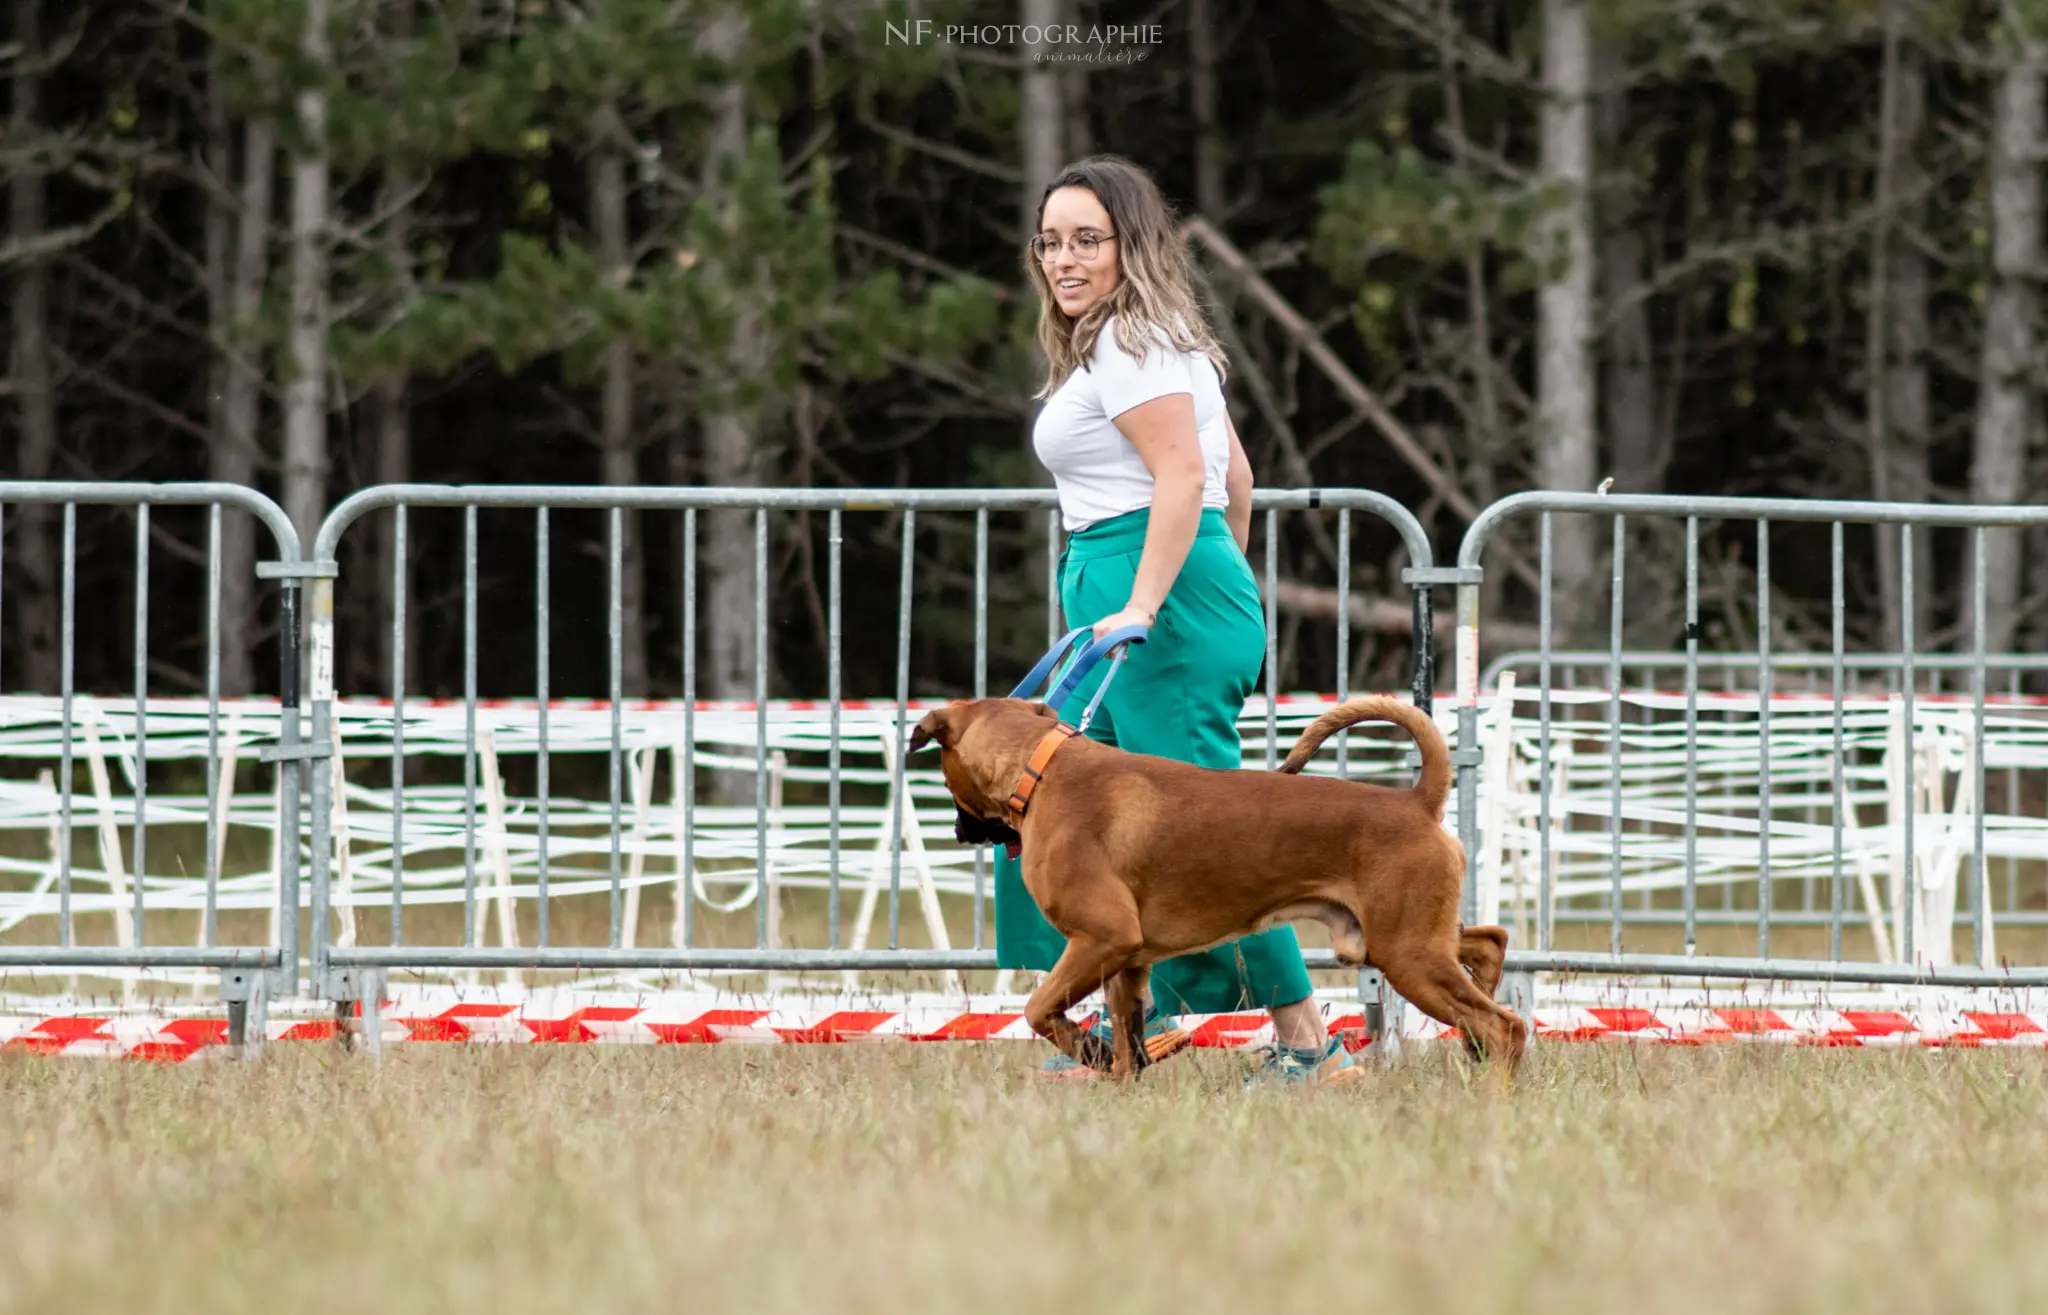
[944, 1178]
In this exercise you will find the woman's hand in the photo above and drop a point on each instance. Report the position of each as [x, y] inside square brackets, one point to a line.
[1130, 616]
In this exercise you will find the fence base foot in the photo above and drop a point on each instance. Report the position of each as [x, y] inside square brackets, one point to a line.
[247, 996]
[349, 987]
[1518, 992]
[1382, 1010]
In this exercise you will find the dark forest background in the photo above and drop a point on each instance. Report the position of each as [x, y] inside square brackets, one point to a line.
[1458, 250]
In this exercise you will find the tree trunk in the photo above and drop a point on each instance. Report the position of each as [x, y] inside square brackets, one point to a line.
[391, 463]
[1079, 139]
[391, 412]
[734, 451]
[1907, 410]
[305, 425]
[618, 439]
[732, 459]
[35, 547]
[1203, 94]
[220, 249]
[1566, 439]
[1639, 446]
[1042, 116]
[1641, 450]
[2005, 396]
[236, 450]
[1897, 334]
[1042, 146]
[1486, 407]
[1489, 444]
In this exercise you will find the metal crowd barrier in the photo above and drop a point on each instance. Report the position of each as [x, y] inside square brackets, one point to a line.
[114, 921]
[1623, 802]
[1648, 681]
[1914, 961]
[611, 851]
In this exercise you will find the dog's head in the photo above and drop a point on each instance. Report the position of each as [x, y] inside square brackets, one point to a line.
[973, 727]
[983, 745]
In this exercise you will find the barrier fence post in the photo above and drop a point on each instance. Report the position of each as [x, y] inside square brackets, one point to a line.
[1466, 756]
[1425, 642]
[1465, 759]
[325, 983]
[291, 765]
[247, 994]
[322, 653]
[1380, 1005]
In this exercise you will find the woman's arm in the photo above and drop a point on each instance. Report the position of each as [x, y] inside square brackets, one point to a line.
[1239, 483]
[1163, 431]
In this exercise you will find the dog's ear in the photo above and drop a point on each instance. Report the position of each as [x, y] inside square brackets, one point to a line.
[1046, 710]
[939, 725]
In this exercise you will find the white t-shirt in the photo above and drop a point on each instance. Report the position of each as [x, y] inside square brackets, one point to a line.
[1097, 471]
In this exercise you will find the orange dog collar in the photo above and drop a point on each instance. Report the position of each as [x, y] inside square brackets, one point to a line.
[1034, 771]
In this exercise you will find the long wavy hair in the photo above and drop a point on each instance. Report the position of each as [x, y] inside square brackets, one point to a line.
[1154, 293]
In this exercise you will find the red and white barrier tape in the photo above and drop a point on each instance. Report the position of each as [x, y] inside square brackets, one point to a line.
[688, 1020]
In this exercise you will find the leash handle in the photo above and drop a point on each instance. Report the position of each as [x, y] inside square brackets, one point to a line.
[1084, 662]
[1115, 641]
[1088, 714]
[1046, 664]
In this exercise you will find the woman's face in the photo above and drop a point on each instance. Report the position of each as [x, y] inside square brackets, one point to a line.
[1078, 280]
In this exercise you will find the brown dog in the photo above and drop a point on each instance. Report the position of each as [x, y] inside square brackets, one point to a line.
[1136, 859]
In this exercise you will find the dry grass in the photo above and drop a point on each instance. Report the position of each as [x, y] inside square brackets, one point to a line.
[943, 1178]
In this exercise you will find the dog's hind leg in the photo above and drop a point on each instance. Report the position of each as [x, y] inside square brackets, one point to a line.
[1483, 951]
[1439, 987]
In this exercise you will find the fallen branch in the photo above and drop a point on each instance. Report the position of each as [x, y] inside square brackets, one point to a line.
[1349, 384]
[917, 259]
[1362, 398]
[996, 169]
[1388, 616]
[1269, 409]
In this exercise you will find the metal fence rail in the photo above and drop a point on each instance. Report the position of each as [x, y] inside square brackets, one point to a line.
[1915, 959]
[609, 853]
[1727, 769]
[1805, 791]
[127, 736]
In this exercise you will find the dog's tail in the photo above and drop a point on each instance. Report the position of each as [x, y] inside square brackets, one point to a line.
[1435, 785]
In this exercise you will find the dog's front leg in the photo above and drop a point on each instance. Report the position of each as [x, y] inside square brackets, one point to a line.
[1086, 964]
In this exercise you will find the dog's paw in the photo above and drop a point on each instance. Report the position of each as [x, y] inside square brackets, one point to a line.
[1097, 1053]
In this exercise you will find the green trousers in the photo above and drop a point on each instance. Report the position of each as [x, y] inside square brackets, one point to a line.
[1177, 696]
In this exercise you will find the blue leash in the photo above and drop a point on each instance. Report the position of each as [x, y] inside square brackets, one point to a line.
[1116, 641]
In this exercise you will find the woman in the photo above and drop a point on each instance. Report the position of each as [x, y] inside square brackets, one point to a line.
[1155, 495]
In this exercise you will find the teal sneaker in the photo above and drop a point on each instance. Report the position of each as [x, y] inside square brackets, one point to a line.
[1162, 1041]
[1285, 1066]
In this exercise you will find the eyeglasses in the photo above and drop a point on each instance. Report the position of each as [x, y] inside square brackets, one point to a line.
[1085, 245]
